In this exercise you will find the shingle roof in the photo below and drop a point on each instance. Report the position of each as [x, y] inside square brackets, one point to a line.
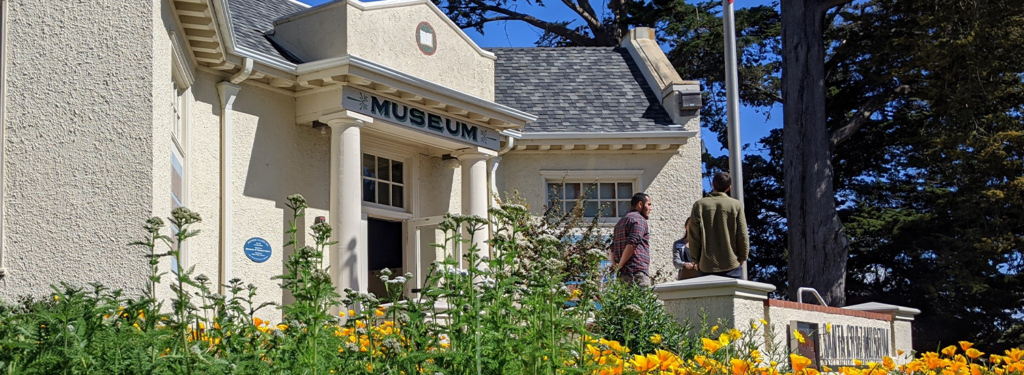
[252, 18]
[578, 89]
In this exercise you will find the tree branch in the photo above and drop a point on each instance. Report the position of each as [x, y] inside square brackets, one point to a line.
[862, 116]
[560, 30]
[586, 12]
[829, 4]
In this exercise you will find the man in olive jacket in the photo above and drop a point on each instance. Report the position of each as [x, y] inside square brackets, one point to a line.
[718, 231]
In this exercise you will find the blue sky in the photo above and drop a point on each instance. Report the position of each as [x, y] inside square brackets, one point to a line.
[753, 126]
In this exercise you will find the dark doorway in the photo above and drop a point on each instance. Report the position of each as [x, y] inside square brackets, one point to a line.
[385, 247]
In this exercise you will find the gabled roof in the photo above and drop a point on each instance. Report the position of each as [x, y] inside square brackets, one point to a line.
[578, 89]
[250, 19]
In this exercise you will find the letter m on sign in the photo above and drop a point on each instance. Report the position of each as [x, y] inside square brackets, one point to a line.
[380, 108]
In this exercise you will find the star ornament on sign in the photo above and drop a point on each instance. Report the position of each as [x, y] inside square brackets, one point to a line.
[426, 38]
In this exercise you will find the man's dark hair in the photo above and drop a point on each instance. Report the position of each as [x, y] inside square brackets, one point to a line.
[638, 198]
[722, 182]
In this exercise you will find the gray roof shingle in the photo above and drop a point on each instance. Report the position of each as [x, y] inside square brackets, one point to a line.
[252, 18]
[578, 89]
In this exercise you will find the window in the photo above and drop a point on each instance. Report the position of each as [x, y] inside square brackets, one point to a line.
[383, 181]
[179, 122]
[178, 117]
[605, 192]
[610, 199]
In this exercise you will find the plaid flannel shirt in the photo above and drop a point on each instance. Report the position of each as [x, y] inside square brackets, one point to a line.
[632, 230]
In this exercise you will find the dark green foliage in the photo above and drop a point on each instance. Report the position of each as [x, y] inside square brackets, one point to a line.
[632, 315]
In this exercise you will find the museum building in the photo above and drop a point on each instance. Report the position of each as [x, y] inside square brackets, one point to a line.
[384, 115]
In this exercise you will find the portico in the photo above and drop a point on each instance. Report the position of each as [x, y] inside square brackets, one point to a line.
[378, 189]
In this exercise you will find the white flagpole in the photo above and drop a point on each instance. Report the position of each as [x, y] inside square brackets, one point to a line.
[732, 93]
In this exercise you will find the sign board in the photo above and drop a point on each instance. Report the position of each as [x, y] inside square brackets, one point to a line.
[838, 345]
[417, 118]
[257, 249]
[810, 347]
[844, 343]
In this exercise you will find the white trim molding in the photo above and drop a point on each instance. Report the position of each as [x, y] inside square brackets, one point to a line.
[590, 175]
[575, 136]
[182, 65]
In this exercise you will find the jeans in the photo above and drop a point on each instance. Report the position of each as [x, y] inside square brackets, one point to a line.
[638, 278]
[736, 273]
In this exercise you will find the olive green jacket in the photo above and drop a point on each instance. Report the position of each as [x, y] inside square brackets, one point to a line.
[718, 234]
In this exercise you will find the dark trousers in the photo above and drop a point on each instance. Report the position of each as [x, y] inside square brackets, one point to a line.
[736, 273]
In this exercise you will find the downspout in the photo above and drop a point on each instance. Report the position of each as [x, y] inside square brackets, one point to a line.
[3, 124]
[228, 91]
[510, 137]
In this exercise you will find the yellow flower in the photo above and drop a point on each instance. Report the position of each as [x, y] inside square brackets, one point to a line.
[1013, 355]
[282, 326]
[799, 337]
[656, 339]
[713, 329]
[973, 353]
[735, 334]
[858, 363]
[710, 345]
[828, 327]
[645, 363]
[899, 352]
[739, 366]
[755, 355]
[753, 325]
[975, 369]
[764, 322]
[668, 360]
[379, 312]
[724, 339]
[949, 350]
[56, 297]
[965, 345]
[799, 362]
[888, 363]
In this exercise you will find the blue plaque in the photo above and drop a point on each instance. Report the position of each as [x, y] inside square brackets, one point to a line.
[257, 249]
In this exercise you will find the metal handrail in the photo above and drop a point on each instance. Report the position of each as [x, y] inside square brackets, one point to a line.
[800, 295]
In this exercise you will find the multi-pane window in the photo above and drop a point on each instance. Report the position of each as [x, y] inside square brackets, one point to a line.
[178, 122]
[178, 132]
[383, 181]
[610, 199]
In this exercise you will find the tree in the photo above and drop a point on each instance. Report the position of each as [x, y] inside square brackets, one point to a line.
[605, 29]
[817, 244]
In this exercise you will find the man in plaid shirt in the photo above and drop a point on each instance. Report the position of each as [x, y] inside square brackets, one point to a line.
[630, 249]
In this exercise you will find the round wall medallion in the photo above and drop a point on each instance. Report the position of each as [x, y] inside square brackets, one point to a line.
[426, 38]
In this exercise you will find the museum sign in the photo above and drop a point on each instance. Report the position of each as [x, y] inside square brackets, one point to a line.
[417, 118]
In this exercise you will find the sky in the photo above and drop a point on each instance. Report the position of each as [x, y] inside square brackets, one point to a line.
[753, 125]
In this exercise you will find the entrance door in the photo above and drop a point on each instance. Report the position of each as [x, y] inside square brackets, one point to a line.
[385, 244]
[423, 233]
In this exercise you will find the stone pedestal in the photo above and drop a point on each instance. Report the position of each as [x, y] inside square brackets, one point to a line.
[835, 336]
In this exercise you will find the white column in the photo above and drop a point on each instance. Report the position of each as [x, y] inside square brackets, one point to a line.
[228, 92]
[474, 189]
[349, 255]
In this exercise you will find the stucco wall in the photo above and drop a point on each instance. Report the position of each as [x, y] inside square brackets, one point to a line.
[671, 178]
[273, 158]
[728, 310]
[79, 142]
[388, 37]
